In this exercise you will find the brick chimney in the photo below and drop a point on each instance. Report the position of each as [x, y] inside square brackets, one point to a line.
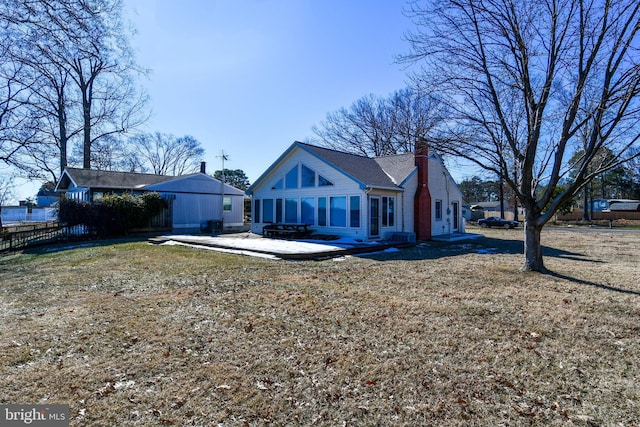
[422, 198]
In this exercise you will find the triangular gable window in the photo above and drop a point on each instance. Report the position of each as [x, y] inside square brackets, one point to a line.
[278, 185]
[323, 182]
[291, 179]
[308, 177]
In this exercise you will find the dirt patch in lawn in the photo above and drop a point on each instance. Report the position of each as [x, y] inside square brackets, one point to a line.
[128, 333]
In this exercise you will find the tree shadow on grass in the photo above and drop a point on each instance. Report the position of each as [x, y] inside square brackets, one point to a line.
[493, 246]
[50, 247]
[606, 287]
[482, 246]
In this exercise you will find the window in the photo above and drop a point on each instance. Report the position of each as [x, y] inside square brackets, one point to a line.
[291, 179]
[278, 210]
[256, 210]
[308, 177]
[323, 182]
[354, 211]
[438, 210]
[291, 210]
[307, 208]
[322, 211]
[278, 185]
[226, 204]
[338, 211]
[267, 206]
[388, 211]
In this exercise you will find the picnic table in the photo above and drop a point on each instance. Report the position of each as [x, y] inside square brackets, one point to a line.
[287, 230]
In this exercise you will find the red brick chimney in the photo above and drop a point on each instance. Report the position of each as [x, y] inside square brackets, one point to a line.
[422, 198]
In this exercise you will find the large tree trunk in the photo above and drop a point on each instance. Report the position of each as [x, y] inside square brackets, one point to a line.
[585, 214]
[86, 143]
[532, 243]
[62, 129]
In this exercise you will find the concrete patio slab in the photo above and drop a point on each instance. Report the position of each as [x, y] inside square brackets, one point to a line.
[279, 248]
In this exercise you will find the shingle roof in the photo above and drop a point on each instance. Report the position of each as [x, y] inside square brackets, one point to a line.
[109, 179]
[367, 170]
[398, 167]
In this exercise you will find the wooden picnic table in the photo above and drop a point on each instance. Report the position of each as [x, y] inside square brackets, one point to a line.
[287, 230]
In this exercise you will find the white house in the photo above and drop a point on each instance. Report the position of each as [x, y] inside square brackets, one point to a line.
[364, 198]
[195, 199]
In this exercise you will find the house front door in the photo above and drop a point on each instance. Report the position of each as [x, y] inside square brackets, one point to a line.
[374, 217]
[455, 216]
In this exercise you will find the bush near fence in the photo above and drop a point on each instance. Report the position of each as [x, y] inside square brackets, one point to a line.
[112, 215]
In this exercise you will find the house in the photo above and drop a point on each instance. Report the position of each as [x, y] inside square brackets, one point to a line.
[195, 199]
[47, 195]
[359, 197]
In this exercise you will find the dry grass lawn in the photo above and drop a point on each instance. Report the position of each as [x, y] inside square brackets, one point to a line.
[129, 333]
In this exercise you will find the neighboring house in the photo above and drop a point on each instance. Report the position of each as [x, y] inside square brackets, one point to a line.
[489, 209]
[486, 206]
[196, 199]
[359, 197]
[47, 197]
[621, 205]
[599, 205]
[14, 213]
[11, 214]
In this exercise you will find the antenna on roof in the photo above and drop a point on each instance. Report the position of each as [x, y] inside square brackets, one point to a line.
[224, 157]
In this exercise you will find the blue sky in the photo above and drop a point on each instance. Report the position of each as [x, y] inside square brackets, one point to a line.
[252, 76]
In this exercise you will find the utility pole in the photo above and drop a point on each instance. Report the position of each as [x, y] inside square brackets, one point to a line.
[223, 157]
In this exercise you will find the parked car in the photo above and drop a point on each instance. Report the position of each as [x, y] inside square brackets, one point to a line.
[496, 221]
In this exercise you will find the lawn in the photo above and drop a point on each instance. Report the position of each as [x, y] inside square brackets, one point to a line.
[129, 333]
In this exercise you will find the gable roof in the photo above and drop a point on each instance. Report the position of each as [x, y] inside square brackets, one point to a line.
[90, 178]
[97, 179]
[199, 183]
[366, 171]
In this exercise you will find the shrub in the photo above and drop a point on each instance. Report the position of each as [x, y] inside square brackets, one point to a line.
[112, 214]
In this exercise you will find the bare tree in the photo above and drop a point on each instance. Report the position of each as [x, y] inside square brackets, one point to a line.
[167, 155]
[13, 96]
[79, 72]
[374, 126]
[6, 191]
[521, 80]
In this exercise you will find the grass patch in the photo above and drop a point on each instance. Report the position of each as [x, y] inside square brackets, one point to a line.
[134, 334]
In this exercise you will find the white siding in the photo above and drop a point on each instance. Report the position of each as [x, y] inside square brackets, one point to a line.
[342, 186]
[235, 218]
[198, 199]
[443, 188]
[410, 188]
[192, 211]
